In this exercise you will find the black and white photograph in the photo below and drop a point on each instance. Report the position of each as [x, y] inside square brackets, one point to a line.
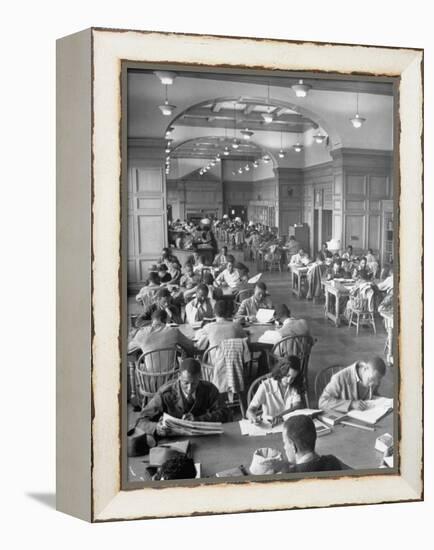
[260, 254]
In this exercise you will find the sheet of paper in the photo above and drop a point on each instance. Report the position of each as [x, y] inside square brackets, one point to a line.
[264, 315]
[254, 279]
[264, 428]
[269, 337]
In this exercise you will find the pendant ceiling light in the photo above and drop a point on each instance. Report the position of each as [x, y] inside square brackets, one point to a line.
[255, 164]
[166, 77]
[281, 152]
[246, 167]
[235, 141]
[166, 108]
[298, 147]
[240, 170]
[266, 159]
[301, 89]
[319, 138]
[268, 115]
[247, 134]
[357, 121]
[226, 149]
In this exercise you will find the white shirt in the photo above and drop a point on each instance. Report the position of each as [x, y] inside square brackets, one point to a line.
[270, 397]
[231, 279]
[297, 259]
[387, 284]
[196, 311]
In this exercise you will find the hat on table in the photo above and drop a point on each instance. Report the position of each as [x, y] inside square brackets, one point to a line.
[266, 461]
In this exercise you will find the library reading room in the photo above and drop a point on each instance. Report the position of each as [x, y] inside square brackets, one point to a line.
[260, 274]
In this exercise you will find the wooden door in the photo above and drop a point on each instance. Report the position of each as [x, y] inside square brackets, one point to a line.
[147, 219]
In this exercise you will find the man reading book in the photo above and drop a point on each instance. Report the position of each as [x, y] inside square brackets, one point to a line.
[188, 397]
[350, 388]
[299, 439]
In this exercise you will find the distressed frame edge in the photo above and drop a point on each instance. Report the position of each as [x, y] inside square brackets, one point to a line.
[73, 275]
[415, 490]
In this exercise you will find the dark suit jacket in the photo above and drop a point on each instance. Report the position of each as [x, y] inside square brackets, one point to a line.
[169, 399]
[147, 315]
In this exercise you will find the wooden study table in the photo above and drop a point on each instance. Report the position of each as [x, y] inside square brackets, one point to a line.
[298, 274]
[353, 446]
[340, 292]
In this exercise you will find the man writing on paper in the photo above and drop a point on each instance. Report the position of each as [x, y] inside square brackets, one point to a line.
[200, 307]
[188, 397]
[250, 306]
[350, 388]
[299, 439]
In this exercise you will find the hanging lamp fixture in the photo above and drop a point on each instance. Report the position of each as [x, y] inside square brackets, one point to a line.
[166, 108]
[357, 121]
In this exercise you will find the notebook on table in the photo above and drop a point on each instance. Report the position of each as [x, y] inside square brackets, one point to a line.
[375, 411]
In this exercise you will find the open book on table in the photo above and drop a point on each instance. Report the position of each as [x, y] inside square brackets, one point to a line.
[376, 409]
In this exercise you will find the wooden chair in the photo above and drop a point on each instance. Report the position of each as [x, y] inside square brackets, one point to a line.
[243, 295]
[274, 260]
[254, 386]
[300, 346]
[155, 368]
[360, 313]
[323, 378]
[208, 364]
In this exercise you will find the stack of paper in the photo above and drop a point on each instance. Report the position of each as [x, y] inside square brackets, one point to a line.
[191, 427]
[376, 409]
[264, 315]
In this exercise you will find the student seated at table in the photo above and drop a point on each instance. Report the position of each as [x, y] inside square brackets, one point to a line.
[386, 285]
[159, 335]
[150, 288]
[229, 277]
[346, 269]
[214, 333]
[348, 254]
[174, 271]
[299, 440]
[351, 387]
[335, 271]
[372, 262]
[187, 397]
[221, 259]
[199, 264]
[325, 252]
[200, 307]
[314, 277]
[166, 257]
[189, 279]
[300, 259]
[250, 306]
[163, 274]
[290, 326]
[179, 466]
[283, 391]
[361, 266]
[292, 246]
[163, 301]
